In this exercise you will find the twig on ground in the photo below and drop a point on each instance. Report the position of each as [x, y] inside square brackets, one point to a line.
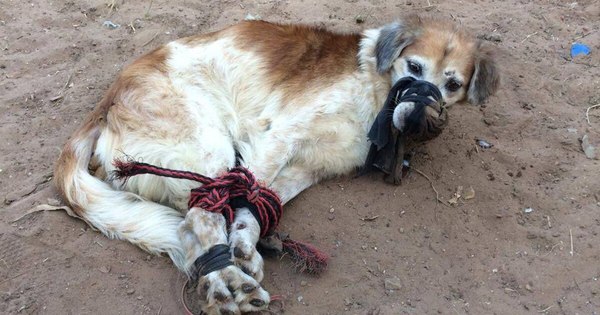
[148, 10]
[46, 207]
[373, 218]
[437, 195]
[587, 113]
[151, 39]
[549, 224]
[159, 309]
[584, 35]
[528, 36]
[132, 27]
[112, 6]
[571, 236]
[545, 310]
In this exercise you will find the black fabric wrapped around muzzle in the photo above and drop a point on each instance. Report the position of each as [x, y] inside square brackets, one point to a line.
[425, 122]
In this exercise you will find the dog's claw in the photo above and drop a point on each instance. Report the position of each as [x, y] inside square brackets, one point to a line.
[257, 302]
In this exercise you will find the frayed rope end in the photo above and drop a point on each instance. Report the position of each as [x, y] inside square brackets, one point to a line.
[306, 257]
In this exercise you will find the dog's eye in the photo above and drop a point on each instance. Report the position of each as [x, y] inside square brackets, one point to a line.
[414, 68]
[453, 85]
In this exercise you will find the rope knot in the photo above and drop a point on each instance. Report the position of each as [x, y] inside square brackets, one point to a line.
[236, 189]
[254, 194]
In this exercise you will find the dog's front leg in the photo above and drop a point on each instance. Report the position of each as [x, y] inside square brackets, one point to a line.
[245, 230]
[224, 291]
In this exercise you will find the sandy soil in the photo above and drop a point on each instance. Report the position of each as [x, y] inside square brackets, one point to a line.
[485, 255]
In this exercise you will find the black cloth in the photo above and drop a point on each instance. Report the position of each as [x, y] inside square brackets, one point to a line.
[386, 141]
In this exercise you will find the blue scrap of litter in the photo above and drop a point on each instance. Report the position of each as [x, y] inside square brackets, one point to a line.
[579, 49]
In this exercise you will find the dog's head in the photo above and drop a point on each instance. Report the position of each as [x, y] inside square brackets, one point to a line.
[441, 53]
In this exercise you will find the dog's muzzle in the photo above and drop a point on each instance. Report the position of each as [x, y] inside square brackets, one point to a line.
[426, 120]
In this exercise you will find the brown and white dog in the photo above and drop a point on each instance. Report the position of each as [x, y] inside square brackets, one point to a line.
[295, 103]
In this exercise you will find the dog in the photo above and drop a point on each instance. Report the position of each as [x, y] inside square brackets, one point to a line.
[291, 103]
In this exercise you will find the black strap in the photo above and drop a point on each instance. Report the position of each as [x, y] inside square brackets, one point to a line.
[216, 258]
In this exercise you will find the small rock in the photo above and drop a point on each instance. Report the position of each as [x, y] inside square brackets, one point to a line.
[300, 298]
[130, 291]
[53, 202]
[331, 210]
[110, 25]
[303, 283]
[528, 210]
[104, 269]
[588, 149]
[359, 19]
[347, 302]
[392, 284]
[331, 216]
[528, 287]
[483, 144]
[493, 37]
[252, 17]
[139, 297]
[469, 193]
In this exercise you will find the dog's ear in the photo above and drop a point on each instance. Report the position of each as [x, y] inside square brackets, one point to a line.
[485, 79]
[393, 38]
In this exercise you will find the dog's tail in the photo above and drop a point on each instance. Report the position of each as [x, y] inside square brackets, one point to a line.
[118, 214]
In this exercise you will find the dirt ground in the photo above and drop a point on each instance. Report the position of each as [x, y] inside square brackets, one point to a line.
[485, 255]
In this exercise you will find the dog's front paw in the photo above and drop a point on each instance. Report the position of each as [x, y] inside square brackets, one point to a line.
[243, 237]
[231, 291]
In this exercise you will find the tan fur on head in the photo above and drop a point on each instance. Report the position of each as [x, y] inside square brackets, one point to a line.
[447, 56]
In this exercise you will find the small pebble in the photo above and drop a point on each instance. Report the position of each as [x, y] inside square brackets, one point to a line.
[110, 25]
[140, 297]
[484, 144]
[528, 210]
[331, 210]
[303, 283]
[392, 284]
[300, 298]
[528, 287]
[130, 291]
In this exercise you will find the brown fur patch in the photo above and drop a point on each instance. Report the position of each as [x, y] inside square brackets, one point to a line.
[297, 55]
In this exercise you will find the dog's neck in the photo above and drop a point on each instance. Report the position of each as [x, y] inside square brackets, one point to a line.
[375, 86]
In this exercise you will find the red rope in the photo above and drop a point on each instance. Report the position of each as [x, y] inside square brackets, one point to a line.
[215, 195]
